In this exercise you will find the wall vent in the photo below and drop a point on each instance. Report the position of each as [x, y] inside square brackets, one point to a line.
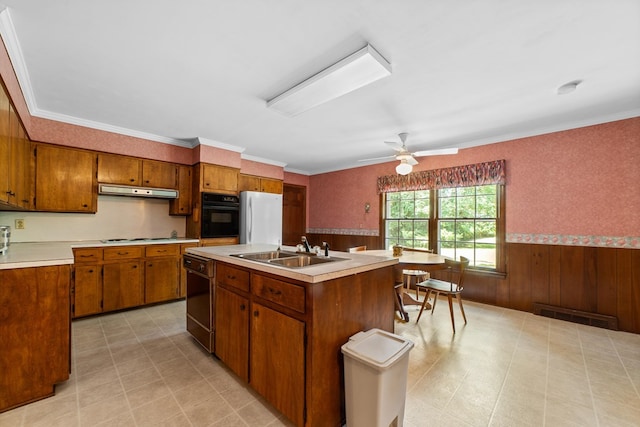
[576, 316]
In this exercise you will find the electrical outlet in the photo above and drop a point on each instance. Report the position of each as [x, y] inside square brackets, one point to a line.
[19, 224]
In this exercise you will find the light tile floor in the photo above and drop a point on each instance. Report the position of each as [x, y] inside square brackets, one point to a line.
[505, 368]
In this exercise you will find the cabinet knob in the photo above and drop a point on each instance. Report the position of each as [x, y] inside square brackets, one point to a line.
[255, 313]
[242, 307]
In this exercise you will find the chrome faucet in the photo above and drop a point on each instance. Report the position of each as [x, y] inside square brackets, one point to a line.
[306, 244]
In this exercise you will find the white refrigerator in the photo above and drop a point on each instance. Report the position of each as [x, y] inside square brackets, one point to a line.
[260, 217]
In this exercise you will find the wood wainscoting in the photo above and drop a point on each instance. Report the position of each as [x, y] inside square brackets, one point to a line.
[604, 281]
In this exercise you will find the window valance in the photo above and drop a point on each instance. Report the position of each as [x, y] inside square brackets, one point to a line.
[458, 176]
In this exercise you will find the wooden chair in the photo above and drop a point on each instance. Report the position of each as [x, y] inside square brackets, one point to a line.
[413, 277]
[358, 249]
[449, 288]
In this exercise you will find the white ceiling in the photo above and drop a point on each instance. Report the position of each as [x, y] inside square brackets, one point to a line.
[464, 72]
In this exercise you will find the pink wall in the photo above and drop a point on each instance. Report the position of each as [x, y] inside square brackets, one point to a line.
[262, 169]
[581, 182]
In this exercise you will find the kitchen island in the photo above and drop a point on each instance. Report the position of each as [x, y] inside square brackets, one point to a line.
[281, 329]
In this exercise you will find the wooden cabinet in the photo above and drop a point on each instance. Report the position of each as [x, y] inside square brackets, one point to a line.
[16, 157]
[161, 273]
[123, 279]
[87, 282]
[159, 174]
[232, 337]
[277, 361]
[35, 331]
[295, 331]
[117, 277]
[125, 170]
[256, 183]
[182, 205]
[214, 178]
[65, 179]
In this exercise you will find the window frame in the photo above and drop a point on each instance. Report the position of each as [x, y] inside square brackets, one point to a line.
[500, 267]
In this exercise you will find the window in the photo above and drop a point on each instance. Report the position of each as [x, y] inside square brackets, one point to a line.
[467, 224]
[462, 221]
[407, 219]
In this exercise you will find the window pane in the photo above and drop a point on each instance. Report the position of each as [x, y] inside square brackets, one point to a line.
[466, 207]
[465, 231]
[487, 207]
[447, 208]
[421, 230]
[446, 231]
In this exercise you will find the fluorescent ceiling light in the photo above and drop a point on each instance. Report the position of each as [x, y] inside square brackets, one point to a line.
[356, 70]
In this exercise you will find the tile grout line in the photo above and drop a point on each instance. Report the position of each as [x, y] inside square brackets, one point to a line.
[586, 372]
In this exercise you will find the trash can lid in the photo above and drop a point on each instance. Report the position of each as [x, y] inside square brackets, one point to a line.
[377, 348]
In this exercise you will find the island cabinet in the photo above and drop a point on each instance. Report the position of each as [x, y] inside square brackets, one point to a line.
[284, 336]
[125, 170]
[65, 179]
[35, 332]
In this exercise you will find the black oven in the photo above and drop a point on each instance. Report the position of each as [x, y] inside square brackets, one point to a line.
[220, 215]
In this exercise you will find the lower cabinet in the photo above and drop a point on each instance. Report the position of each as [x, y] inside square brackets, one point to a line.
[232, 336]
[35, 332]
[118, 277]
[123, 285]
[277, 360]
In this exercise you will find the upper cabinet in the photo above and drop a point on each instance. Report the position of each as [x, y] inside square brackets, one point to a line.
[182, 205]
[124, 170]
[256, 183]
[16, 159]
[65, 179]
[214, 178]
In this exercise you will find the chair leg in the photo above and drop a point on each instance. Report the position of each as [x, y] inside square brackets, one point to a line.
[462, 308]
[435, 300]
[426, 298]
[453, 320]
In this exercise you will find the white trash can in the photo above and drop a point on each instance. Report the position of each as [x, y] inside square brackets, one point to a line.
[375, 378]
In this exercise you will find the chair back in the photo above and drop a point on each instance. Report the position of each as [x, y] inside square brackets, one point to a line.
[358, 249]
[456, 269]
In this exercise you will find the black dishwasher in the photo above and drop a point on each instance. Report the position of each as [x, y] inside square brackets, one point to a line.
[200, 299]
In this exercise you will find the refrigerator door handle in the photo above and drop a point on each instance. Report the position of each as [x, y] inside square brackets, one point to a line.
[250, 220]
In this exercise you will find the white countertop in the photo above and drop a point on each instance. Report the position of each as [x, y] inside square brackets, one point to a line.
[42, 254]
[351, 263]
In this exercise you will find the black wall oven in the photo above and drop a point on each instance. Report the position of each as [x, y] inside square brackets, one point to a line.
[220, 215]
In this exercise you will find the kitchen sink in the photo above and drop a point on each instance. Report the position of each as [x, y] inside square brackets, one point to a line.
[286, 259]
[266, 256]
[302, 261]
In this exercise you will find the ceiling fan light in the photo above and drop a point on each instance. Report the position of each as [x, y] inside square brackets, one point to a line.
[404, 168]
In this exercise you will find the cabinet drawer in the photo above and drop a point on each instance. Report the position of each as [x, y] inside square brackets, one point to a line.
[123, 252]
[283, 293]
[231, 276]
[87, 255]
[162, 250]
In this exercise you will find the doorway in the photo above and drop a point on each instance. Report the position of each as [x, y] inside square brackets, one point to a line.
[294, 213]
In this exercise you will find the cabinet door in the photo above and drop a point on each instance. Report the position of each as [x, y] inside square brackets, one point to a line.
[21, 173]
[122, 285]
[159, 174]
[5, 147]
[161, 279]
[65, 179]
[277, 360]
[182, 205]
[248, 183]
[114, 169]
[232, 331]
[268, 185]
[87, 296]
[219, 178]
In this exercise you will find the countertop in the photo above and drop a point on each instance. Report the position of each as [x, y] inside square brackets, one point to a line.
[350, 263]
[42, 254]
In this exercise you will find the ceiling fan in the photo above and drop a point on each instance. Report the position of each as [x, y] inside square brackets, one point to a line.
[407, 158]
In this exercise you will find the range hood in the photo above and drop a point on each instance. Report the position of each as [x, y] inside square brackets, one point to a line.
[125, 190]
